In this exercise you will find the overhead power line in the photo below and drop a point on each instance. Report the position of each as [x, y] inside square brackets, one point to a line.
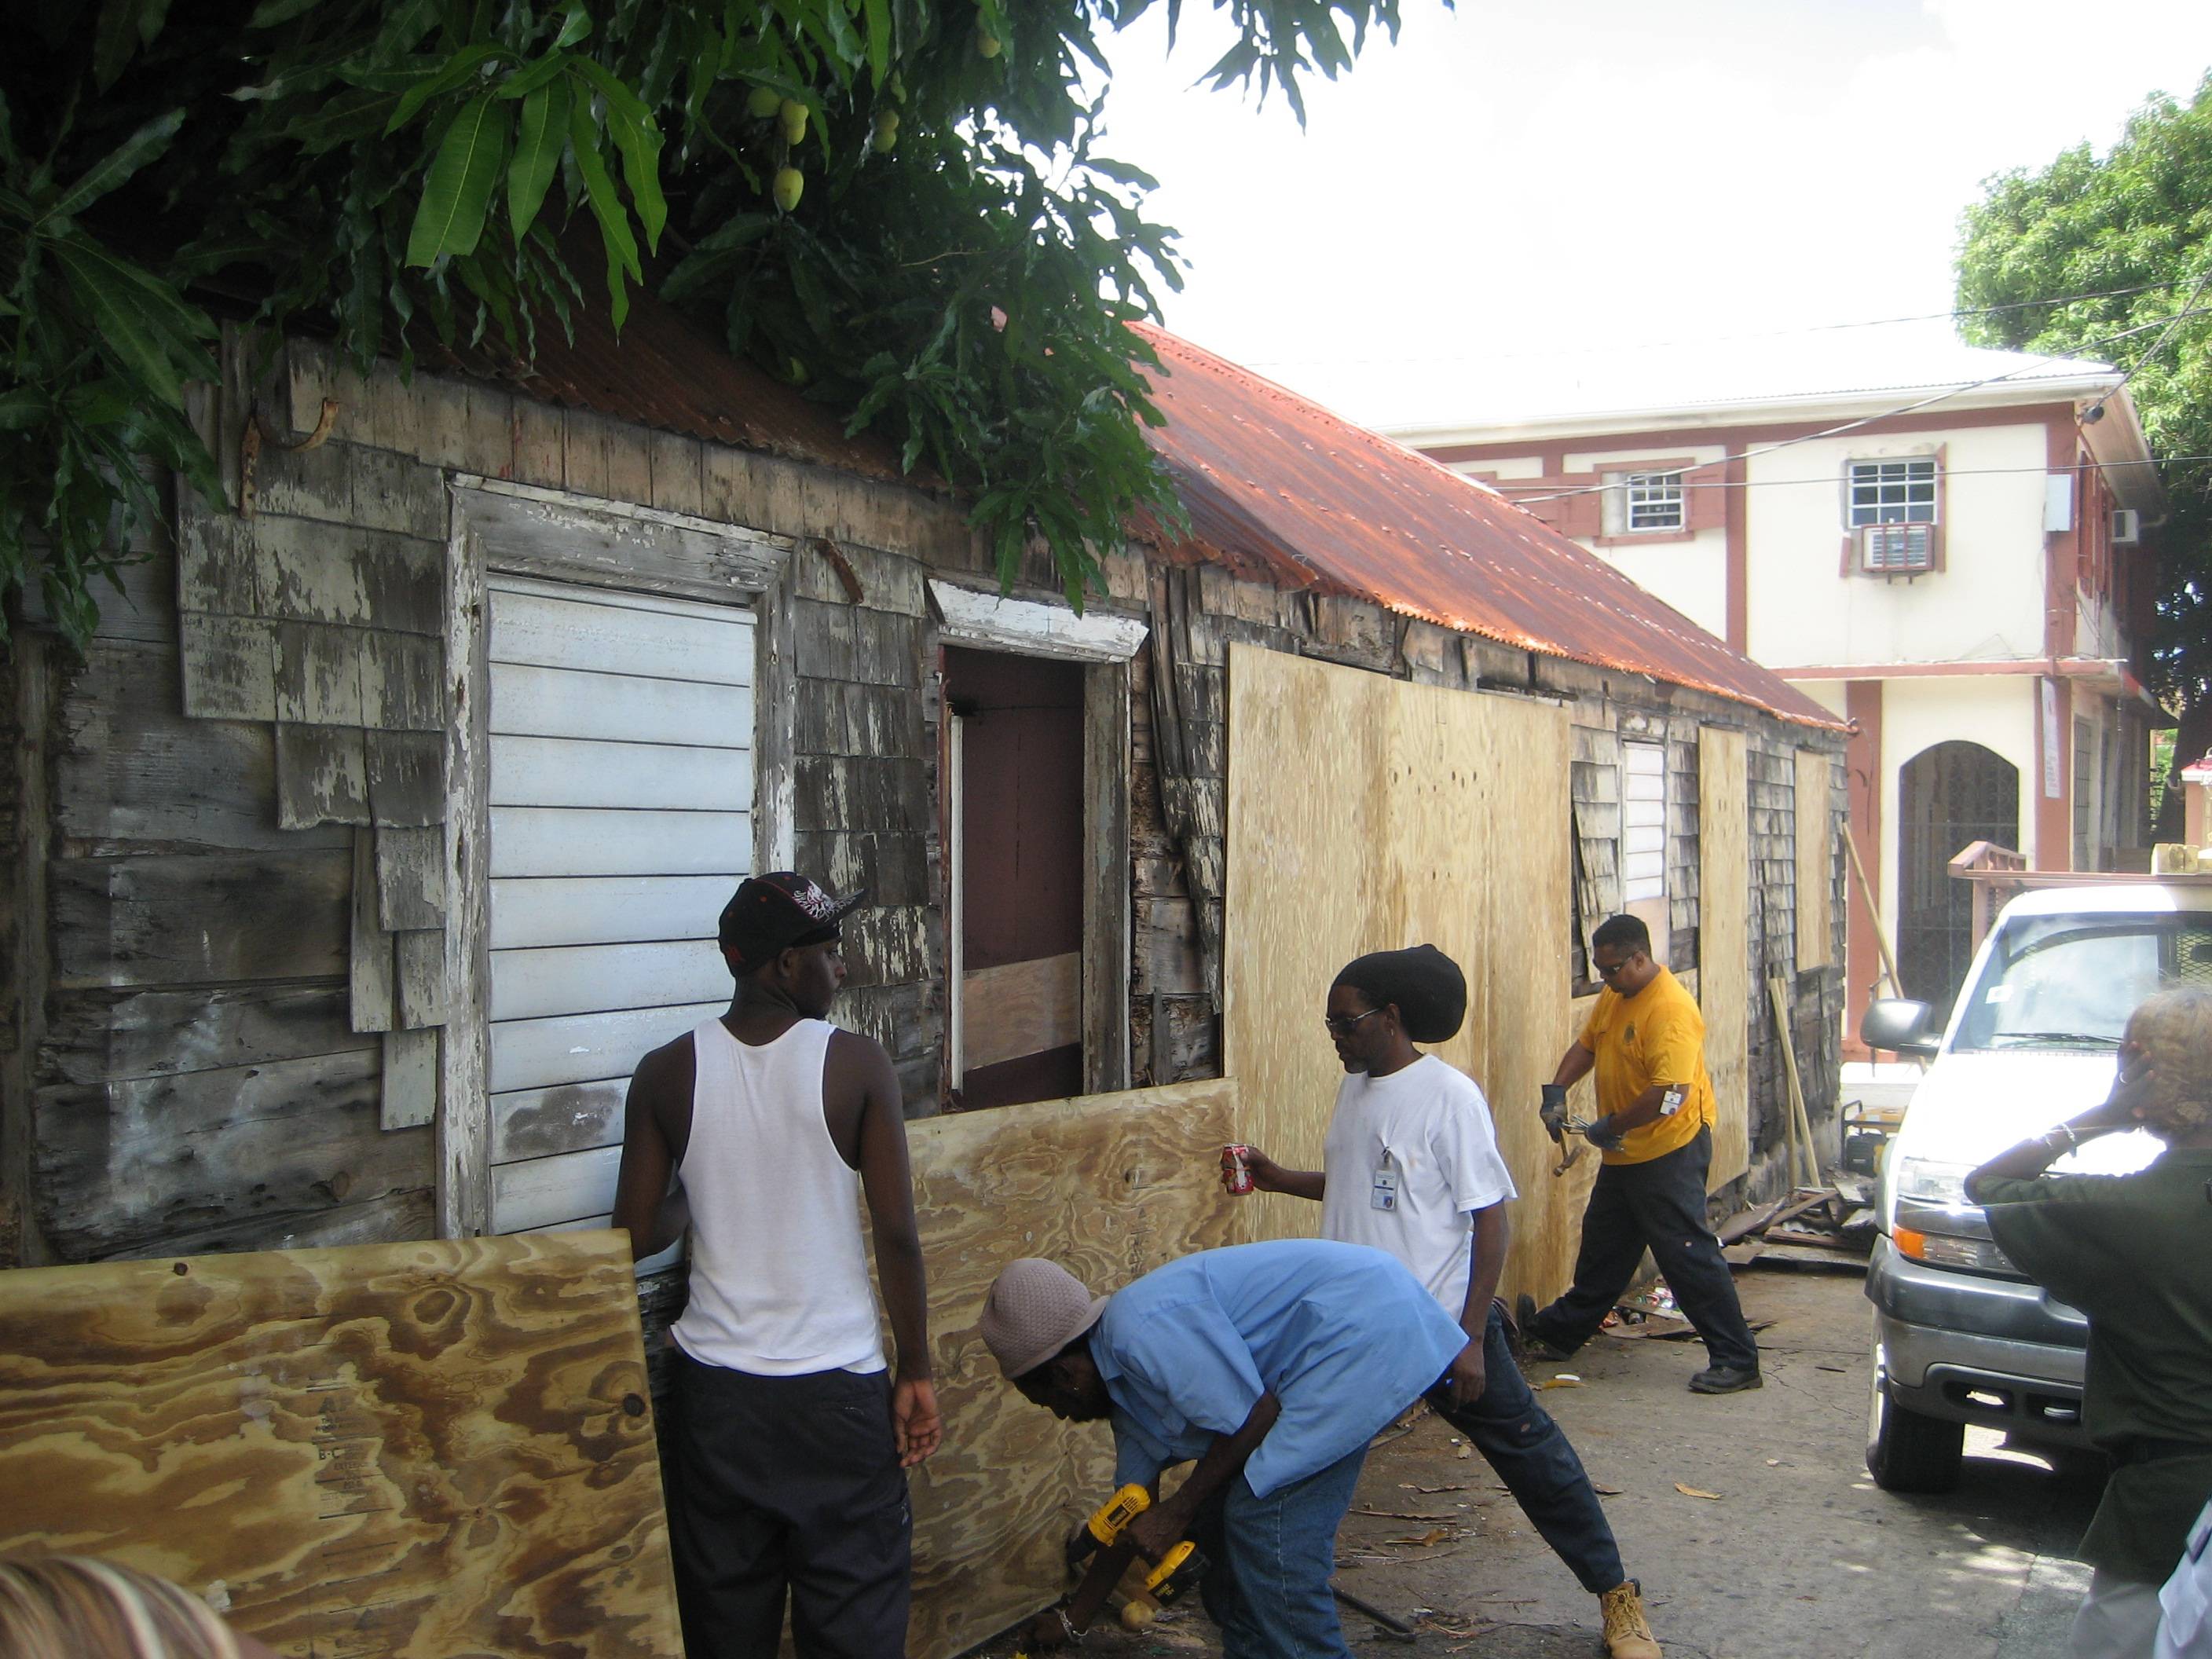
[1944, 396]
[1828, 482]
[1760, 334]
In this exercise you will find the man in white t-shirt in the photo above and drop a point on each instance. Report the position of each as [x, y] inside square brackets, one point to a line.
[1411, 1167]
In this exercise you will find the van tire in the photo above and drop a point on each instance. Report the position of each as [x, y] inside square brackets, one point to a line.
[1907, 1451]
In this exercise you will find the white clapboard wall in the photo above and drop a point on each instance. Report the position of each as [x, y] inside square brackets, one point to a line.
[621, 787]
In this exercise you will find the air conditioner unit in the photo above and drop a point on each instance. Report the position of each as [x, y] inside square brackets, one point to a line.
[2127, 527]
[1897, 550]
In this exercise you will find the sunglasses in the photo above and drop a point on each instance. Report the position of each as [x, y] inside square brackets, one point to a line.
[1607, 970]
[1346, 1025]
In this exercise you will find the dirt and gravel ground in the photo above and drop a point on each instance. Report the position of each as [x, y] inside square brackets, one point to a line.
[1794, 1553]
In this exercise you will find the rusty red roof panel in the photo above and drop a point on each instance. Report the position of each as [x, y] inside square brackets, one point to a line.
[1274, 481]
[667, 372]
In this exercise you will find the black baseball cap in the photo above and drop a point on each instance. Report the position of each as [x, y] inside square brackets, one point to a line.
[770, 913]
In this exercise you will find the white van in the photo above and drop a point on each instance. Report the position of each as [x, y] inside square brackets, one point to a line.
[1960, 1336]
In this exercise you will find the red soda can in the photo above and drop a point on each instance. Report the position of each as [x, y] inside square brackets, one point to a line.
[1236, 1174]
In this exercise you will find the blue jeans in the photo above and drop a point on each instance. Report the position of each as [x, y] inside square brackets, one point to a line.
[1266, 1585]
[1535, 1461]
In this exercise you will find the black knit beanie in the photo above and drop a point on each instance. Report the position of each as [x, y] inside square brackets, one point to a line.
[1427, 986]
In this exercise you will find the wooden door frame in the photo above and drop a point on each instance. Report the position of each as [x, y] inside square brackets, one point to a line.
[549, 535]
[1104, 642]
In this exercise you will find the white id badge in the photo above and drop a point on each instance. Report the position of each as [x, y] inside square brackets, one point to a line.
[1384, 1195]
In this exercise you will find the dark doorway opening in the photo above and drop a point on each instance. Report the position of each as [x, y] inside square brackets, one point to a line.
[1949, 796]
[1016, 801]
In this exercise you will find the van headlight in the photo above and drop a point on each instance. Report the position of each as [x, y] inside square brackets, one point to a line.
[1930, 1180]
[1942, 1251]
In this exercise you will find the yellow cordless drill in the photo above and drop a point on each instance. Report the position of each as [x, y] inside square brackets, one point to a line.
[1178, 1569]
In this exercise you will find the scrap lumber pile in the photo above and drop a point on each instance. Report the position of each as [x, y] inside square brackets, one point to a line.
[1830, 1226]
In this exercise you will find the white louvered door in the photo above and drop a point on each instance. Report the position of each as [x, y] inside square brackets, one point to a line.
[620, 796]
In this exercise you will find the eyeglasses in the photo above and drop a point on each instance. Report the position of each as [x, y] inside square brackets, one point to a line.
[1605, 970]
[1346, 1025]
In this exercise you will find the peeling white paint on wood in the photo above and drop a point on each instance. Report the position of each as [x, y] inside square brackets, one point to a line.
[1034, 628]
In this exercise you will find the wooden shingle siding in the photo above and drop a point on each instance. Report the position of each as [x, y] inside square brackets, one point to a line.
[248, 831]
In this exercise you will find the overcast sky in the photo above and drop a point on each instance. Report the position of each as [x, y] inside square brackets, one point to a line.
[1522, 176]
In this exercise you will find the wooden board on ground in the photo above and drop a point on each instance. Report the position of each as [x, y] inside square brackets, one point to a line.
[1109, 1185]
[1724, 946]
[1413, 814]
[421, 1450]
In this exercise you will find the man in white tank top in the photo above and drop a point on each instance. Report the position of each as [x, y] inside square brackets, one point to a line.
[759, 1132]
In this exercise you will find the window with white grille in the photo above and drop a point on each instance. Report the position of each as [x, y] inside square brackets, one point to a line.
[1642, 822]
[1892, 492]
[1654, 500]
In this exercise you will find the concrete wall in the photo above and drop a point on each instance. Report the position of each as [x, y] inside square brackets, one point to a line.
[1986, 605]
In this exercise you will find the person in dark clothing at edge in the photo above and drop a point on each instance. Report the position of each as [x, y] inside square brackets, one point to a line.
[1410, 1166]
[758, 1131]
[1646, 1041]
[2133, 1253]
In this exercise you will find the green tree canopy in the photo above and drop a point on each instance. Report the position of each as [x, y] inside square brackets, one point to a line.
[2131, 229]
[897, 204]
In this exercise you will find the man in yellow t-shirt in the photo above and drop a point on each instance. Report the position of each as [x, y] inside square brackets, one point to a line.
[1646, 1040]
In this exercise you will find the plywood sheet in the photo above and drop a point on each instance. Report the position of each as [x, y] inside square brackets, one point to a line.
[1415, 814]
[1110, 1186]
[1724, 945]
[1816, 862]
[424, 1450]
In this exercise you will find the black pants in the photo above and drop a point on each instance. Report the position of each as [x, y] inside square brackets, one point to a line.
[787, 1484]
[1659, 1204]
[1534, 1458]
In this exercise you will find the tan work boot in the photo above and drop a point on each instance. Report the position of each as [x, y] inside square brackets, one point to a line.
[1627, 1631]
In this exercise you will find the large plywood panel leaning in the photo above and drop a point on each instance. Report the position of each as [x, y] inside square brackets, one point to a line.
[1724, 945]
[1109, 1185]
[1367, 813]
[385, 1451]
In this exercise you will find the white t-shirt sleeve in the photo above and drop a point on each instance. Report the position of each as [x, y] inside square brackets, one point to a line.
[1464, 1144]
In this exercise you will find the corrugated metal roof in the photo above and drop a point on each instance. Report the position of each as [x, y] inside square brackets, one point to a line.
[1274, 484]
[667, 372]
[1274, 481]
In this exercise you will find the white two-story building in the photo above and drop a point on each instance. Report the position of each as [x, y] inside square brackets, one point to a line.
[1953, 553]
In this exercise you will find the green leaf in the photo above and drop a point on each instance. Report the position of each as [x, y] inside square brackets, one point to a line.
[617, 92]
[640, 154]
[573, 27]
[152, 332]
[124, 27]
[542, 135]
[457, 194]
[524, 82]
[22, 408]
[878, 13]
[606, 208]
[469, 61]
[269, 13]
[125, 159]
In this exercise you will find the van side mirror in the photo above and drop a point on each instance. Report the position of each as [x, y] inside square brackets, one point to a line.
[1898, 1024]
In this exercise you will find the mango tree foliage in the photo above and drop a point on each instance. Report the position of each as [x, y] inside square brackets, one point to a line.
[897, 204]
[2134, 227]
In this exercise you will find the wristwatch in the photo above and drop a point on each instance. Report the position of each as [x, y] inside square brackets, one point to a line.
[1067, 1626]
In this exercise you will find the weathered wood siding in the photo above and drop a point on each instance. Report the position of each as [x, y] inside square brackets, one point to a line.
[250, 870]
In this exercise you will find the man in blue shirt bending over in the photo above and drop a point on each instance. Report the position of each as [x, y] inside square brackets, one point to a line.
[1272, 1365]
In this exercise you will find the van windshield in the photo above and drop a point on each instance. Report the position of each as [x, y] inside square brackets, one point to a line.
[2071, 982]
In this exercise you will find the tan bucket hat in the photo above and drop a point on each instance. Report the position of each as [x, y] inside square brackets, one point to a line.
[1036, 1309]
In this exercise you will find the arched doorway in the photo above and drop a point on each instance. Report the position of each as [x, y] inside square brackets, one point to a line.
[1948, 796]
